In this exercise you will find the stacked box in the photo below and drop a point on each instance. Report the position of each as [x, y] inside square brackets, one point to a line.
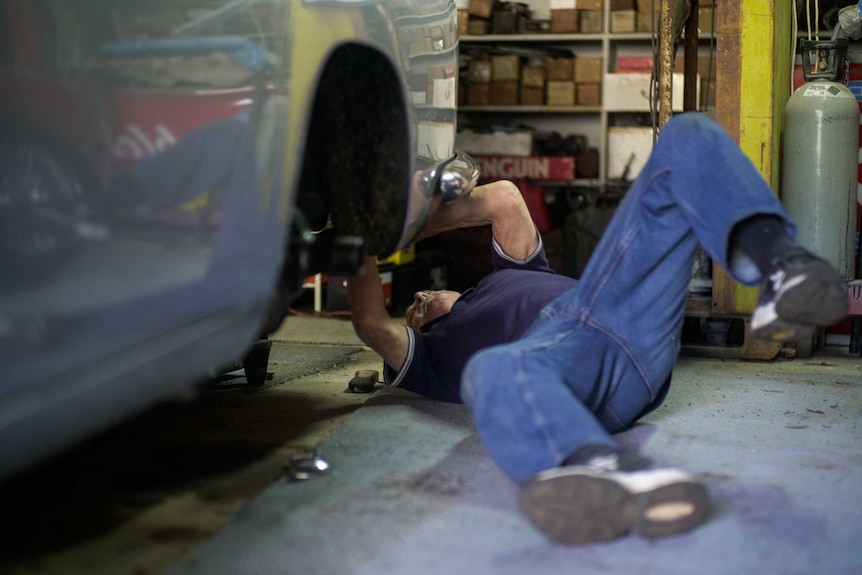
[634, 64]
[590, 21]
[564, 21]
[505, 79]
[630, 92]
[532, 85]
[705, 17]
[560, 74]
[505, 67]
[648, 15]
[588, 80]
[533, 76]
[560, 93]
[479, 71]
[706, 71]
[478, 87]
[624, 21]
[589, 94]
[463, 22]
[593, 5]
[532, 96]
[504, 92]
[479, 94]
[478, 26]
[645, 6]
[588, 70]
[481, 8]
[557, 69]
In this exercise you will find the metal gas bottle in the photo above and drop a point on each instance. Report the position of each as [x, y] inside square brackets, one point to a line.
[820, 163]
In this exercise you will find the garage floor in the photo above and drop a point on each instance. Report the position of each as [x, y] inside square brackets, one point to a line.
[197, 485]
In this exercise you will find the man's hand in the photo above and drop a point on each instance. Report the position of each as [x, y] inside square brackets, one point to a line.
[499, 204]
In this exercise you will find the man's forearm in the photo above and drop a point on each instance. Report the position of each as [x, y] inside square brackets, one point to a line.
[370, 319]
[366, 299]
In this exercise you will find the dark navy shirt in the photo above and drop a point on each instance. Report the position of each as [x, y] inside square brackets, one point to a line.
[498, 310]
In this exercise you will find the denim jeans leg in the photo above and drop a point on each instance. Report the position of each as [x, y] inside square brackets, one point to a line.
[603, 352]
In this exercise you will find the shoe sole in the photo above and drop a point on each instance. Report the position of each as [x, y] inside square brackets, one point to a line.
[578, 507]
[767, 325]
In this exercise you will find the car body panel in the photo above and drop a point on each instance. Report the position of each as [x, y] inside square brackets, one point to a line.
[150, 159]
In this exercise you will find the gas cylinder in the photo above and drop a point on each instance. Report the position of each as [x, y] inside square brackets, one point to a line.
[820, 163]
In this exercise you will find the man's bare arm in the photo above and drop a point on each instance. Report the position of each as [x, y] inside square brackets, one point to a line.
[499, 204]
[370, 319]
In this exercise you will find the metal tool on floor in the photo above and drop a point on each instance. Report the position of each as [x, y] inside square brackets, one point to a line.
[306, 465]
[363, 381]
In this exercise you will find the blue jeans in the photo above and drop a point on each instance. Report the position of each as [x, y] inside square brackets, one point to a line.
[600, 356]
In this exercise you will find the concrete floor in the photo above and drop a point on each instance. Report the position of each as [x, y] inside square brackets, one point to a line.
[411, 490]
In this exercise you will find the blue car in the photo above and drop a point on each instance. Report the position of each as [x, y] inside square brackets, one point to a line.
[172, 171]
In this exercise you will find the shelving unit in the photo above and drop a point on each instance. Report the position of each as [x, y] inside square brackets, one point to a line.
[591, 121]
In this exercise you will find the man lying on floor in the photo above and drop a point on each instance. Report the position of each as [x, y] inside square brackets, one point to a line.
[550, 367]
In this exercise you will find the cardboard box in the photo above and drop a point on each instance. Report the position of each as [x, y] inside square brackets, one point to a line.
[588, 70]
[505, 22]
[589, 5]
[631, 92]
[531, 26]
[559, 69]
[463, 22]
[645, 23]
[533, 76]
[705, 66]
[589, 95]
[479, 94]
[504, 92]
[560, 93]
[591, 21]
[564, 21]
[638, 64]
[505, 67]
[532, 96]
[707, 92]
[705, 19]
[624, 21]
[478, 26]
[481, 8]
[502, 142]
[625, 144]
[645, 6]
[479, 71]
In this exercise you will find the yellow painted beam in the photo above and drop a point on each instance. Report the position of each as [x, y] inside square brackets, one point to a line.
[761, 34]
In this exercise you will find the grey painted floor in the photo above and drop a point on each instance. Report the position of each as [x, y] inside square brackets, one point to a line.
[412, 491]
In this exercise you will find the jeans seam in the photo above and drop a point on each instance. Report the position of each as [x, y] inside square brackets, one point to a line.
[536, 414]
[603, 280]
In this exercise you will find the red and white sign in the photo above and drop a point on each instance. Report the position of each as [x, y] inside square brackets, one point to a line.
[548, 168]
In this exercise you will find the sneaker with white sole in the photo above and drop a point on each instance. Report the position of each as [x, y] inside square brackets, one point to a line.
[803, 292]
[579, 504]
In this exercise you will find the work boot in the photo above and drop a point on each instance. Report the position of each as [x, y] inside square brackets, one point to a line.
[801, 293]
[577, 504]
